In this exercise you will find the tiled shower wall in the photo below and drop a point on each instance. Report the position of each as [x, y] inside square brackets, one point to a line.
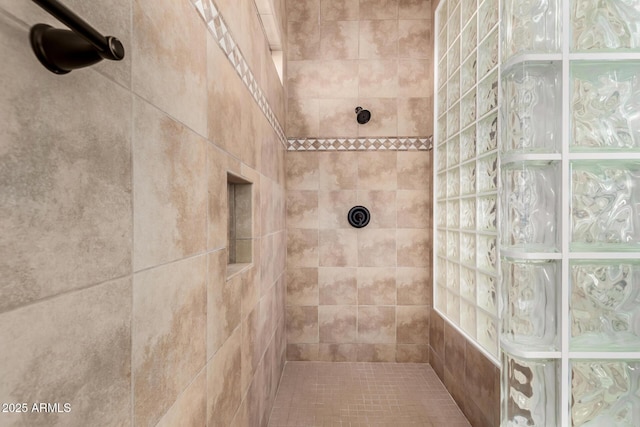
[358, 294]
[114, 296]
[371, 53]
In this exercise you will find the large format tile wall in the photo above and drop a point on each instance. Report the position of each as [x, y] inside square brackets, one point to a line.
[358, 294]
[114, 296]
[371, 53]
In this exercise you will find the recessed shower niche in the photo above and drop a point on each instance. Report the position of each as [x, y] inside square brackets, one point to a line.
[240, 230]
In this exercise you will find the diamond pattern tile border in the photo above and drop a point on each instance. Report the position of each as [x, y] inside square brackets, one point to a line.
[361, 144]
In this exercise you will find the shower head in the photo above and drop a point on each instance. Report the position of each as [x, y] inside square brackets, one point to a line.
[363, 116]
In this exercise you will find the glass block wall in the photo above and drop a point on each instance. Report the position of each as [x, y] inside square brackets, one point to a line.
[570, 213]
[466, 169]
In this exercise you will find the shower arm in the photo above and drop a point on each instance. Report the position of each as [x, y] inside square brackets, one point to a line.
[61, 51]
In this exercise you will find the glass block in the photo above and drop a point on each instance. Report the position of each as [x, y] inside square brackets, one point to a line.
[531, 206]
[453, 4]
[442, 70]
[487, 213]
[442, 16]
[441, 158]
[453, 89]
[468, 74]
[487, 17]
[468, 317]
[487, 173]
[468, 109]
[453, 183]
[441, 248]
[487, 252]
[453, 24]
[488, 134]
[453, 214]
[442, 128]
[468, 283]
[468, 144]
[530, 27]
[453, 152]
[441, 217]
[530, 302]
[468, 214]
[468, 248]
[468, 179]
[453, 282]
[441, 275]
[442, 102]
[453, 245]
[488, 54]
[488, 94]
[441, 298]
[605, 205]
[487, 293]
[467, 14]
[453, 57]
[487, 332]
[469, 37]
[441, 188]
[532, 108]
[530, 392]
[604, 106]
[605, 25]
[453, 120]
[605, 393]
[453, 307]
[605, 305]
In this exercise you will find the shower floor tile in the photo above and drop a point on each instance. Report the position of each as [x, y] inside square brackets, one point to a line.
[322, 394]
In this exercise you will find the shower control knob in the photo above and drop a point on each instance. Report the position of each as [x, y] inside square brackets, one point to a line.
[359, 216]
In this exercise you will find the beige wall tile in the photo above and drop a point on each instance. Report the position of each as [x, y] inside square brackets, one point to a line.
[412, 353]
[337, 286]
[377, 171]
[302, 286]
[337, 323]
[414, 247]
[378, 39]
[338, 171]
[303, 10]
[302, 171]
[302, 209]
[378, 9]
[338, 248]
[250, 349]
[171, 75]
[303, 40]
[170, 192]
[413, 209]
[75, 348]
[384, 117]
[302, 117]
[223, 382]
[415, 78]
[376, 248]
[414, 171]
[376, 286]
[413, 324]
[218, 207]
[337, 117]
[338, 352]
[169, 334]
[339, 40]
[191, 407]
[334, 208]
[323, 79]
[381, 205]
[302, 352]
[376, 324]
[414, 39]
[414, 286]
[339, 10]
[223, 302]
[302, 248]
[414, 9]
[376, 352]
[414, 116]
[378, 78]
[302, 324]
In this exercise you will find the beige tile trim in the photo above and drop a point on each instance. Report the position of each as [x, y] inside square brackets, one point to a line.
[361, 144]
[220, 32]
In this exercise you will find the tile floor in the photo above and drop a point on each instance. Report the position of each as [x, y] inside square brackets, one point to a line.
[323, 394]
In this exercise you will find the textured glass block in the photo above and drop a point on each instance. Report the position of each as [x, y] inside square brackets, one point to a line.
[441, 188]
[605, 25]
[468, 283]
[466, 13]
[441, 248]
[605, 305]
[468, 74]
[442, 72]
[442, 16]
[487, 332]
[453, 89]
[468, 179]
[468, 317]
[453, 24]
[468, 248]
[530, 392]
[453, 307]
[442, 103]
[487, 293]
[487, 252]
[604, 106]
[605, 205]
[441, 217]
[487, 173]
[468, 144]
[453, 183]
[453, 245]
[453, 152]
[453, 214]
[487, 213]
[488, 94]
[469, 37]
[530, 27]
[487, 17]
[488, 134]
[441, 158]
[488, 54]
[530, 302]
[531, 206]
[605, 393]
[532, 108]
[441, 298]
[442, 129]
[453, 120]
[468, 214]
[441, 275]
[453, 57]
[453, 4]
[453, 282]
[468, 109]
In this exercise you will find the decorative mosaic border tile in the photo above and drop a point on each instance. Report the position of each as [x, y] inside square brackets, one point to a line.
[361, 144]
[218, 28]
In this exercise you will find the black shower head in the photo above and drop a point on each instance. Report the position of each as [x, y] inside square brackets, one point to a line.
[363, 116]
